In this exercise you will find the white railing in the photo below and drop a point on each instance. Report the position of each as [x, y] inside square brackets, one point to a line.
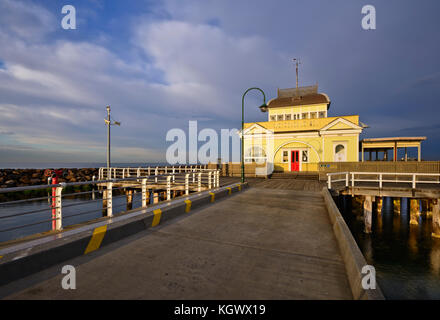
[183, 182]
[122, 173]
[351, 178]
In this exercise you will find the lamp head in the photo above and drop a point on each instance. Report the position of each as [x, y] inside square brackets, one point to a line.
[263, 107]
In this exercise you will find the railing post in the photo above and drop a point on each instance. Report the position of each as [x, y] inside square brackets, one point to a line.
[199, 184]
[414, 181]
[346, 179]
[194, 177]
[169, 188]
[218, 178]
[155, 173]
[180, 169]
[329, 181]
[58, 211]
[144, 193]
[174, 170]
[109, 199]
[149, 170]
[138, 173]
[174, 178]
[123, 173]
[380, 180]
[209, 180]
[187, 184]
[352, 179]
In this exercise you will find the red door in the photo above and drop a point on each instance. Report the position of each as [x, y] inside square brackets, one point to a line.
[294, 161]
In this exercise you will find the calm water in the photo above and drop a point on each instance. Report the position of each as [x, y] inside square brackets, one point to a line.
[75, 209]
[406, 257]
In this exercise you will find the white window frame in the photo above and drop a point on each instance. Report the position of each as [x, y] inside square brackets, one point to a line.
[335, 144]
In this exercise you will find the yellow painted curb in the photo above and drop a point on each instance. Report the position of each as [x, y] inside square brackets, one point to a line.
[239, 187]
[188, 206]
[229, 190]
[212, 196]
[95, 242]
[156, 218]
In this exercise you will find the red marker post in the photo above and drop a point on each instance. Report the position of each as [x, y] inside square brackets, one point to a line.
[55, 174]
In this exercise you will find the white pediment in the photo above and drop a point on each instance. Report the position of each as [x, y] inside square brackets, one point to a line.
[256, 129]
[341, 124]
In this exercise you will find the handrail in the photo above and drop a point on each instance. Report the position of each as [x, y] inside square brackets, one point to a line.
[123, 172]
[184, 182]
[351, 177]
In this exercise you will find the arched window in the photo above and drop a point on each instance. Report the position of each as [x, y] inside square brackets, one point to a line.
[255, 154]
[340, 153]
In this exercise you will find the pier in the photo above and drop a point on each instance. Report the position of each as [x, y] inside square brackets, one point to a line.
[417, 188]
[265, 239]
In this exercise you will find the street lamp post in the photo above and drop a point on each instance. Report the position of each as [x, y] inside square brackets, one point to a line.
[263, 108]
[109, 123]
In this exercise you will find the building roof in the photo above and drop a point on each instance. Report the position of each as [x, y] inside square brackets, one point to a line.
[394, 139]
[298, 97]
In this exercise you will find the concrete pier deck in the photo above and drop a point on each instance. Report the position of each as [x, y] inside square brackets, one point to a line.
[263, 243]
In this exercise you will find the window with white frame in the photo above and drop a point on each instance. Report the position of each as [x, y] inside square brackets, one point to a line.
[305, 115]
[280, 117]
[285, 156]
[321, 114]
[288, 117]
[305, 156]
[340, 151]
[273, 118]
[255, 154]
[313, 115]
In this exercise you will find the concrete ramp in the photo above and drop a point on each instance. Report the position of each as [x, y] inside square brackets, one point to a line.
[259, 244]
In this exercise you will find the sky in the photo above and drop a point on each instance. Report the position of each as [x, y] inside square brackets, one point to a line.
[160, 64]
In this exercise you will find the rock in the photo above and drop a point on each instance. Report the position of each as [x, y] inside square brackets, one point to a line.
[10, 183]
[35, 181]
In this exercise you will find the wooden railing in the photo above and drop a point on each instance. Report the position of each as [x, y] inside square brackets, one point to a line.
[411, 179]
[378, 166]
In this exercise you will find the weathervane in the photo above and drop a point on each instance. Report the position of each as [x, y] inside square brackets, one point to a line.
[297, 62]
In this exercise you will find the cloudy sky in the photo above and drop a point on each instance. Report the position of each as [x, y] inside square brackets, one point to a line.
[160, 64]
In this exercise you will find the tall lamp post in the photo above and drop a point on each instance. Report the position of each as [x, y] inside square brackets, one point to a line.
[109, 123]
[263, 108]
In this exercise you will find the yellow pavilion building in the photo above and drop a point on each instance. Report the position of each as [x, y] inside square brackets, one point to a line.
[299, 134]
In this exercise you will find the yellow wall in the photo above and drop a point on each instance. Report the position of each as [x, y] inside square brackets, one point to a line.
[320, 148]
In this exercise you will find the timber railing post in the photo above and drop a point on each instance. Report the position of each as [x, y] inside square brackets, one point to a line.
[346, 179]
[352, 179]
[414, 181]
[329, 181]
[58, 212]
[199, 184]
[209, 180]
[144, 193]
[169, 188]
[187, 184]
[380, 180]
[109, 199]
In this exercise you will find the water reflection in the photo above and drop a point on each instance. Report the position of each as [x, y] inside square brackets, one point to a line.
[406, 257]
